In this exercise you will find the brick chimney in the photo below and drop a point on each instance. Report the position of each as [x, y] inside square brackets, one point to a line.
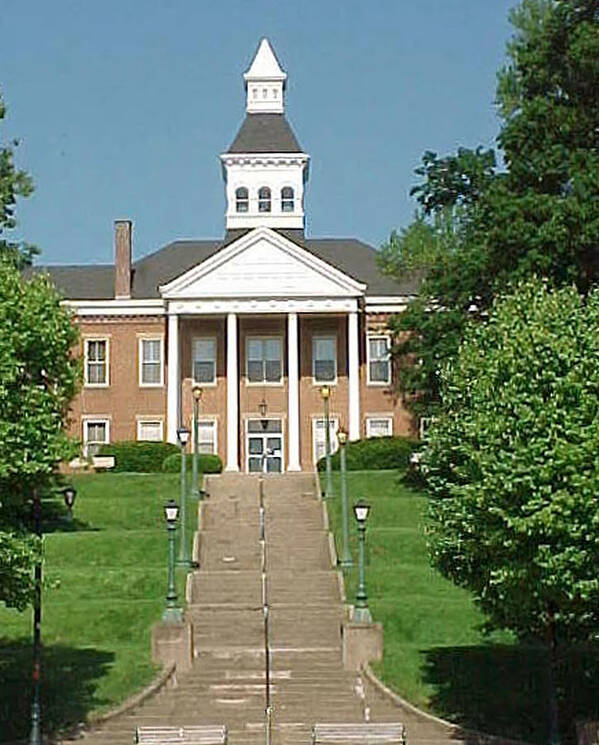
[122, 258]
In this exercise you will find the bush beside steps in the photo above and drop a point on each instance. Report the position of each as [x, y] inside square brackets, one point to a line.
[375, 454]
[154, 457]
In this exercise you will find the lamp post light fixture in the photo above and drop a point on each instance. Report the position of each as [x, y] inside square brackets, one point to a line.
[325, 393]
[172, 613]
[197, 397]
[346, 560]
[183, 560]
[69, 494]
[361, 609]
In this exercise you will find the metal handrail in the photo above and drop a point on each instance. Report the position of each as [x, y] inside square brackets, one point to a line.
[265, 611]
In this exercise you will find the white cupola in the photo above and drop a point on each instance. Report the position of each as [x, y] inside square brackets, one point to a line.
[265, 169]
[265, 82]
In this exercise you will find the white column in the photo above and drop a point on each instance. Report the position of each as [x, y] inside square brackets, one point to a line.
[293, 387]
[354, 375]
[232, 395]
[173, 389]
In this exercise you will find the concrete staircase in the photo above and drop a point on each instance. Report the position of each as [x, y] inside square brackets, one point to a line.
[227, 682]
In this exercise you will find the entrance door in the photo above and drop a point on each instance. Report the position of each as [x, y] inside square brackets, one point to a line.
[264, 446]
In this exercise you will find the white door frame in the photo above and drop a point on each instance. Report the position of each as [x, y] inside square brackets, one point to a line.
[249, 434]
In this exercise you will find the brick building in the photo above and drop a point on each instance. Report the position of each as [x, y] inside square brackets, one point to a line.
[261, 319]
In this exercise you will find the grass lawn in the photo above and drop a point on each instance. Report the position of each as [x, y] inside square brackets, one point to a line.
[111, 568]
[435, 654]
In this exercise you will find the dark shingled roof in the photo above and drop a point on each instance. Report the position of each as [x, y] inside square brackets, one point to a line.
[351, 256]
[265, 133]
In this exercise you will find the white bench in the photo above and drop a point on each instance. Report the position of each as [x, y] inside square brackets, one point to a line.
[359, 733]
[192, 735]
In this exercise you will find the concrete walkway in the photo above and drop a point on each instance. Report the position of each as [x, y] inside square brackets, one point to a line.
[226, 684]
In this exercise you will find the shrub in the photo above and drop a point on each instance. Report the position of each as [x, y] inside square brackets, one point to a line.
[375, 453]
[206, 463]
[138, 457]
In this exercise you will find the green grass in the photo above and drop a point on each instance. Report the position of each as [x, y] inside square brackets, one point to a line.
[108, 575]
[435, 653]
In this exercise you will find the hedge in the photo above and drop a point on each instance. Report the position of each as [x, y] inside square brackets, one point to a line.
[375, 453]
[138, 457]
[206, 463]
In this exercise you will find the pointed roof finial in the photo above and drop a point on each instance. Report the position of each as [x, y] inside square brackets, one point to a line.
[265, 82]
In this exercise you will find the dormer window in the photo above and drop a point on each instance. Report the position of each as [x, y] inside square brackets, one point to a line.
[287, 199]
[242, 201]
[264, 199]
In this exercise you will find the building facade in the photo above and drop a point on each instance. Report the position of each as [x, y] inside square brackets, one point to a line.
[261, 319]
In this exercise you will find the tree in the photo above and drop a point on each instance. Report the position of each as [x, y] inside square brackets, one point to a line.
[38, 379]
[539, 215]
[13, 183]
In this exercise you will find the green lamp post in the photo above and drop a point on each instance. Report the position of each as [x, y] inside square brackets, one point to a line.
[172, 613]
[346, 560]
[361, 609]
[183, 560]
[197, 397]
[325, 392]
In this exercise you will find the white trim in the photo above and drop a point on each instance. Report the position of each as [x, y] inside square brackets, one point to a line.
[88, 419]
[262, 337]
[248, 434]
[195, 339]
[353, 374]
[293, 423]
[324, 335]
[388, 299]
[263, 306]
[370, 309]
[347, 285]
[214, 421]
[118, 307]
[173, 385]
[106, 340]
[378, 383]
[334, 424]
[140, 340]
[264, 159]
[386, 417]
[149, 419]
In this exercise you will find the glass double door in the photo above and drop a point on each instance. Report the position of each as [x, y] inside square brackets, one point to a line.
[264, 446]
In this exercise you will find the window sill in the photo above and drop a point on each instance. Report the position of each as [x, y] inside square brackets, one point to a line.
[96, 385]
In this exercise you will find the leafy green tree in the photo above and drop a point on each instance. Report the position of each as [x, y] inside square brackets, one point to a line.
[13, 184]
[538, 215]
[512, 466]
[38, 379]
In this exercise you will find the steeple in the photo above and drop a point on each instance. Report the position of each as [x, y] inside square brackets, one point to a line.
[265, 82]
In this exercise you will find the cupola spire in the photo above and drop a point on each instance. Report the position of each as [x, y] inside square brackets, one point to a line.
[265, 82]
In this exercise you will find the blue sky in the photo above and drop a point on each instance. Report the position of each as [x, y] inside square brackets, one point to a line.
[122, 108]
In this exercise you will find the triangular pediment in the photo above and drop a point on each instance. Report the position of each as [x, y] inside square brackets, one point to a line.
[260, 264]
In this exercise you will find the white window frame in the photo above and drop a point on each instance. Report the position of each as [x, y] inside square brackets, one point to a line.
[150, 420]
[369, 419]
[86, 340]
[86, 421]
[214, 421]
[262, 338]
[214, 340]
[423, 424]
[387, 339]
[315, 380]
[334, 427]
[140, 346]
[248, 434]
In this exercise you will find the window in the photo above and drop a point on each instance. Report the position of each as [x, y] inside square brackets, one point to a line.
[379, 363]
[207, 442]
[379, 426]
[204, 360]
[242, 199]
[150, 430]
[324, 359]
[264, 199]
[287, 201]
[150, 362]
[319, 443]
[423, 426]
[96, 432]
[264, 360]
[96, 362]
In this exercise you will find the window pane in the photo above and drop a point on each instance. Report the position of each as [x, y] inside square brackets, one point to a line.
[255, 371]
[379, 427]
[204, 360]
[96, 351]
[255, 349]
[379, 372]
[273, 465]
[96, 372]
[150, 431]
[150, 373]
[272, 349]
[150, 350]
[204, 372]
[324, 348]
[273, 371]
[324, 370]
[207, 436]
[205, 350]
[255, 446]
[255, 465]
[273, 444]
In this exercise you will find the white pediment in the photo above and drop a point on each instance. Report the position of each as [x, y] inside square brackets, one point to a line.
[262, 264]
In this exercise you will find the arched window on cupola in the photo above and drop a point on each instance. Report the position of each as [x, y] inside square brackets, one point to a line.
[287, 199]
[264, 200]
[242, 201]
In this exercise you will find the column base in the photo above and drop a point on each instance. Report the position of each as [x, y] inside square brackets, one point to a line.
[294, 468]
[231, 469]
[362, 643]
[173, 642]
